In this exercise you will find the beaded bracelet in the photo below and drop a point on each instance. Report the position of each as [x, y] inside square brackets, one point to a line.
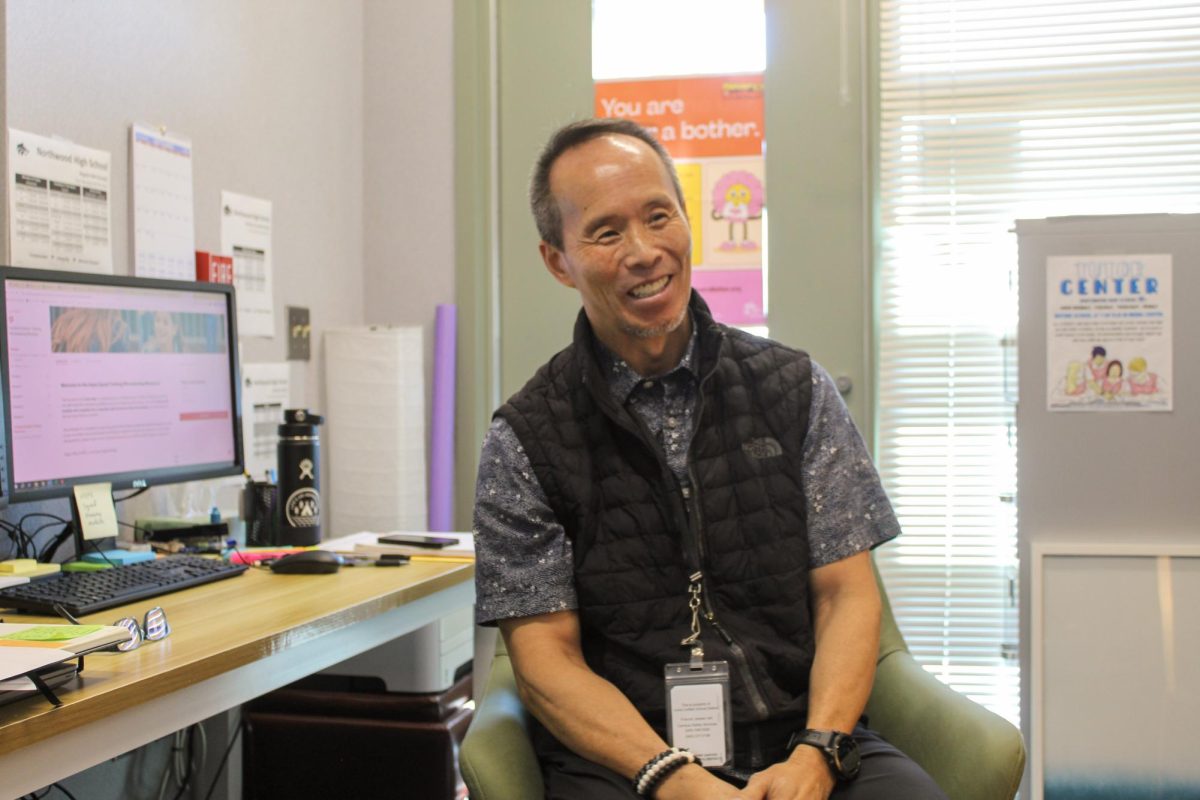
[637, 779]
[658, 768]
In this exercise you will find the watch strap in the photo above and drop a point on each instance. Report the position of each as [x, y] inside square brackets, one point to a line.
[823, 740]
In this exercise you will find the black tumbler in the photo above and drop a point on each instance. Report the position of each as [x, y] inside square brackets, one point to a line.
[299, 478]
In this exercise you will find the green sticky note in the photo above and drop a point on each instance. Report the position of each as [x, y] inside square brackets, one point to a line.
[53, 633]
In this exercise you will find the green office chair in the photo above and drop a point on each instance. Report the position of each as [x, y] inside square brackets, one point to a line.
[972, 753]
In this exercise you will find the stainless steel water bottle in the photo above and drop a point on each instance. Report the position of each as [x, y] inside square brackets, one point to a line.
[299, 478]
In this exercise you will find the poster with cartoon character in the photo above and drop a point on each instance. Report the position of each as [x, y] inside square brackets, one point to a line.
[1108, 333]
[734, 199]
[713, 128]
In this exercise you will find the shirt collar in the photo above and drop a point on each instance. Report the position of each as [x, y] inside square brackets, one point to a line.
[623, 379]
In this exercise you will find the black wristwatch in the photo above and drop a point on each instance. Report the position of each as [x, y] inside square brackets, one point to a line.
[840, 749]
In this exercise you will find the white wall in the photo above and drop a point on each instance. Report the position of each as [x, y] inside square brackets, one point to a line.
[408, 161]
[270, 93]
[408, 156]
[339, 113]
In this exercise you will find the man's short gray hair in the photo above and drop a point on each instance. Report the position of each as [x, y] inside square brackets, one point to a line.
[541, 199]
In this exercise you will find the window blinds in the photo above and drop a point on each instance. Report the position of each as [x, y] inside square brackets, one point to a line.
[992, 111]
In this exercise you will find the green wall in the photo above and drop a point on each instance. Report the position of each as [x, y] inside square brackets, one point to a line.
[522, 69]
[819, 232]
[545, 76]
[475, 262]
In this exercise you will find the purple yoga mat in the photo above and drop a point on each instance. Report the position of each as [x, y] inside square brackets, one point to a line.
[441, 456]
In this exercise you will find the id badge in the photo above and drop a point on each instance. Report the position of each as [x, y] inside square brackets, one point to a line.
[698, 712]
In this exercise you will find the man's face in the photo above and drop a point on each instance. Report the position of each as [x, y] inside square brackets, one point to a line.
[627, 247]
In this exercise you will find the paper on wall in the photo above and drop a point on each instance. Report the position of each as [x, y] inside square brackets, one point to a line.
[246, 235]
[266, 390]
[1109, 332]
[59, 211]
[164, 234]
[713, 126]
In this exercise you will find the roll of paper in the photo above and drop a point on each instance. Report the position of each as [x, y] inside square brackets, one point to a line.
[441, 446]
[375, 382]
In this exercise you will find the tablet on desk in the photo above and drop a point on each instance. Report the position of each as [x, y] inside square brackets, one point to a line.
[416, 540]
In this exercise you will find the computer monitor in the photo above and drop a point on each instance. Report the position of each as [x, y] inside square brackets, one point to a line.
[116, 379]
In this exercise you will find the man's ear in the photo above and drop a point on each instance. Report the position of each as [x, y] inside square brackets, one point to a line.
[555, 262]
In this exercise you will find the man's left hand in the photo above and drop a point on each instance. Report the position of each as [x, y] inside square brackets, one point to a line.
[804, 776]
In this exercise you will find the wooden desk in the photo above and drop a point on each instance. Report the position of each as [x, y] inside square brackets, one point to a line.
[231, 641]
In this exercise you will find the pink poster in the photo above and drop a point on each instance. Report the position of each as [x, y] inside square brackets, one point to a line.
[713, 128]
[732, 294]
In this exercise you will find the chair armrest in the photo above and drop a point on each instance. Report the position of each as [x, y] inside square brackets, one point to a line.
[497, 761]
[972, 753]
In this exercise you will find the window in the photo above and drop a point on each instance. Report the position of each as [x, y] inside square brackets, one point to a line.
[707, 37]
[992, 111]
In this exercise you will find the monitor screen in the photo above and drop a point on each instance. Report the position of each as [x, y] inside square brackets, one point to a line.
[131, 381]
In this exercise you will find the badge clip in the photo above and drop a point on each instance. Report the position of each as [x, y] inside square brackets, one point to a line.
[699, 717]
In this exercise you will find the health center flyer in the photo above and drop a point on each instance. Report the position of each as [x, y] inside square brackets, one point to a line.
[1108, 333]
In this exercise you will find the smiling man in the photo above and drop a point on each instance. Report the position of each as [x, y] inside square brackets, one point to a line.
[673, 521]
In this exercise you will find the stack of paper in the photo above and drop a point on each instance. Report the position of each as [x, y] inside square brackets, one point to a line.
[71, 640]
[41, 649]
[52, 677]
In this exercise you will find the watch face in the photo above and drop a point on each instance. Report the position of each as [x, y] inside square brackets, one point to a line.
[847, 757]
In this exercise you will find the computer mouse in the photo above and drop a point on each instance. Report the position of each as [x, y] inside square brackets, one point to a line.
[307, 562]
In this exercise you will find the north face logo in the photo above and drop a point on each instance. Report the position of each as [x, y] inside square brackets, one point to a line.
[766, 447]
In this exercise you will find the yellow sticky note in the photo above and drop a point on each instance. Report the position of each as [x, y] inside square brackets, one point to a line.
[18, 566]
[97, 511]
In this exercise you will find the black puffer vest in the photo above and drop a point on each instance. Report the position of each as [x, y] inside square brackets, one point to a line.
[636, 536]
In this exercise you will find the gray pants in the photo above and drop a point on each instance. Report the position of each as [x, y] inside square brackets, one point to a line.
[886, 774]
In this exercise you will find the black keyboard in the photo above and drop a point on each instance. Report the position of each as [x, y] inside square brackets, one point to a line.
[86, 592]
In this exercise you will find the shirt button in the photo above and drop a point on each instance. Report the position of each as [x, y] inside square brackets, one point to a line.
[648, 385]
[671, 423]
